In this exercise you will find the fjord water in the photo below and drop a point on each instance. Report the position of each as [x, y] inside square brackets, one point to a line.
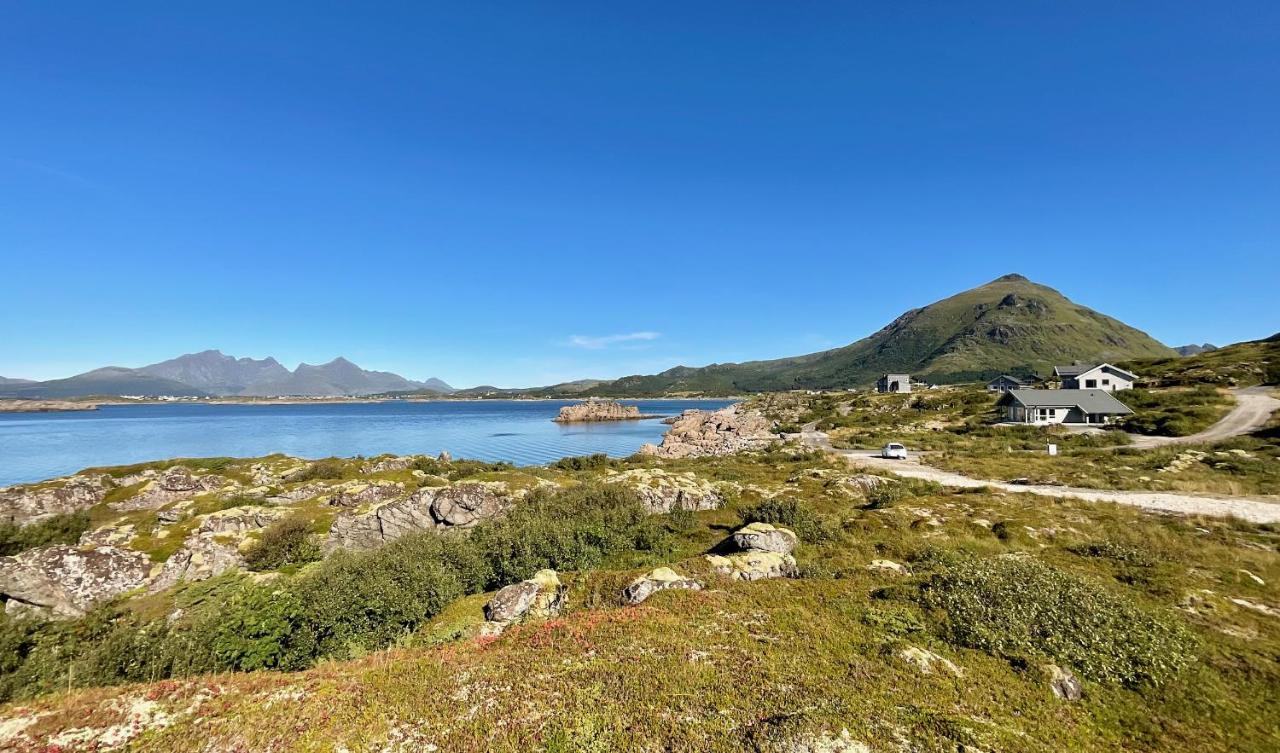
[38, 446]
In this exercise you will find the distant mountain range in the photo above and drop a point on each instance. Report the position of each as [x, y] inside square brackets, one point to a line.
[1010, 325]
[211, 373]
[1195, 350]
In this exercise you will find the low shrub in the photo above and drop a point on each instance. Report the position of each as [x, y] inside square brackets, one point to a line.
[788, 513]
[285, 542]
[60, 529]
[583, 462]
[1015, 607]
[321, 470]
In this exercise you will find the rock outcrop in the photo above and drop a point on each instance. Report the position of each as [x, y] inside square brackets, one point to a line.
[203, 555]
[538, 598]
[24, 505]
[764, 552]
[598, 410]
[458, 506]
[1063, 683]
[752, 566]
[65, 581]
[663, 492]
[763, 537]
[698, 433]
[174, 484]
[658, 579]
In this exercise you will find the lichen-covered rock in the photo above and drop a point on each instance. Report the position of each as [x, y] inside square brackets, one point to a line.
[596, 409]
[24, 505]
[174, 484]
[658, 579]
[1063, 683]
[889, 566]
[764, 537]
[203, 555]
[356, 493]
[465, 504]
[110, 535]
[65, 581]
[862, 484]
[663, 492]
[390, 463]
[927, 661]
[458, 506]
[699, 433]
[236, 520]
[751, 566]
[538, 598]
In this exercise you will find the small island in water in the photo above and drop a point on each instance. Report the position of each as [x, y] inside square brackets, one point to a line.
[595, 409]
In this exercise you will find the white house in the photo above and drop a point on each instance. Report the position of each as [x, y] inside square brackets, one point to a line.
[1075, 407]
[1104, 376]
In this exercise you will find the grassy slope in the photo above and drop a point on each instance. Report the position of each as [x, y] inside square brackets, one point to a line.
[1008, 325]
[1240, 365]
[748, 666]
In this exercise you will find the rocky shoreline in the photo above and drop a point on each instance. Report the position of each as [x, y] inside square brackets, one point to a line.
[43, 406]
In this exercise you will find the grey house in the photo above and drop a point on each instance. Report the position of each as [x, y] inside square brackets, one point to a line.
[894, 383]
[1073, 407]
[1004, 383]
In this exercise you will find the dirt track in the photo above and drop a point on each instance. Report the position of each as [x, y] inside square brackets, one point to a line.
[1253, 407]
[1253, 509]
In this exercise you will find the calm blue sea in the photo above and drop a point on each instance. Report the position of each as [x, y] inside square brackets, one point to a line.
[37, 446]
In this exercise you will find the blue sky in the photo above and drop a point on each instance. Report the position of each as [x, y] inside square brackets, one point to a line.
[524, 193]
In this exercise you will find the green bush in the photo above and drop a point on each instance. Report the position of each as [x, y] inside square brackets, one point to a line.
[285, 542]
[1015, 607]
[584, 462]
[322, 470]
[788, 513]
[885, 495]
[60, 529]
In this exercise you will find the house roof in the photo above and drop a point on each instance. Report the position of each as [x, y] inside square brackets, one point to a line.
[1088, 401]
[1014, 379]
[1076, 370]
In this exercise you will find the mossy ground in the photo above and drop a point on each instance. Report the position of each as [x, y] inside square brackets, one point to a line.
[748, 666]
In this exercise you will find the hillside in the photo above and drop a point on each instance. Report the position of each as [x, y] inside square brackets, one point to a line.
[1010, 325]
[110, 380]
[1241, 365]
[216, 373]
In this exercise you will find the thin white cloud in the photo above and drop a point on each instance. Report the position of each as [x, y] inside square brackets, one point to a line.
[603, 341]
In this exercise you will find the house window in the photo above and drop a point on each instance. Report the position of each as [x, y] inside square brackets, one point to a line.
[1105, 382]
[1090, 383]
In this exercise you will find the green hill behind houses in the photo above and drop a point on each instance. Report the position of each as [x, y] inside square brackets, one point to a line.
[1010, 325]
[1241, 365]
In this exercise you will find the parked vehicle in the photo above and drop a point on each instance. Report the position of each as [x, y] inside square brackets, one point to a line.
[894, 451]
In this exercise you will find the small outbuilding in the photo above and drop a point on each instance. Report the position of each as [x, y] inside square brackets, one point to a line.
[1072, 407]
[894, 383]
[1103, 376]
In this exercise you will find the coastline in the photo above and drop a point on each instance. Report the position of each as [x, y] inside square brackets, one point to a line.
[8, 405]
